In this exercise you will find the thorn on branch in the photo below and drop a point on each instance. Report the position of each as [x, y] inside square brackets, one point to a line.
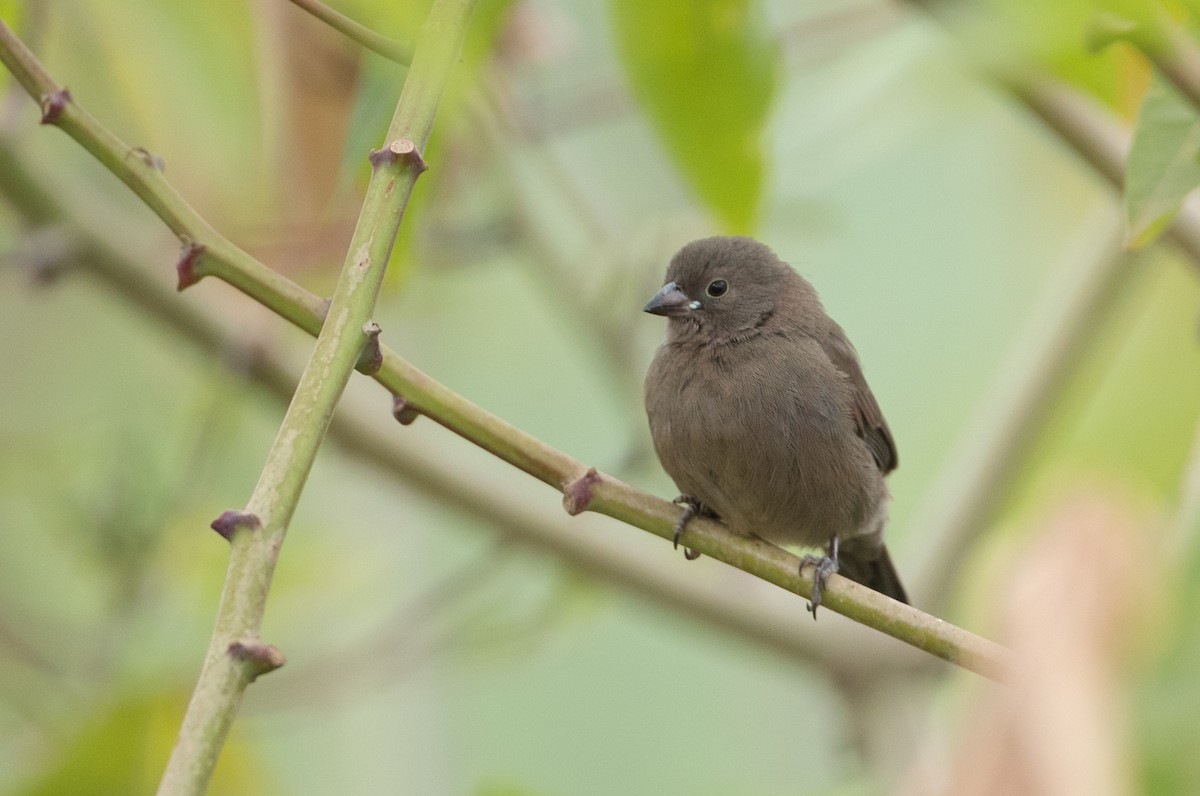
[404, 412]
[263, 658]
[54, 104]
[577, 493]
[187, 268]
[230, 522]
[371, 358]
[149, 158]
[400, 149]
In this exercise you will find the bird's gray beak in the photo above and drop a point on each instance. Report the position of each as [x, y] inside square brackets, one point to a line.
[670, 301]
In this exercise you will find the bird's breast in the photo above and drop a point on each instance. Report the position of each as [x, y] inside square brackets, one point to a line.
[762, 434]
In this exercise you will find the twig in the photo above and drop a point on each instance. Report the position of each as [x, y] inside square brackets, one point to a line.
[236, 655]
[1174, 54]
[584, 488]
[393, 50]
[776, 628]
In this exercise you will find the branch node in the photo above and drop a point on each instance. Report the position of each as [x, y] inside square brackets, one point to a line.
[54, 104]
[404, 412]
[263, 658]
[577, 493]
[147, 157]
[187, 268]
[400, 149]
[371, 358]
[232, 521]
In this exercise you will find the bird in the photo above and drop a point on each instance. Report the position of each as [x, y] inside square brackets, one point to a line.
[760, 413]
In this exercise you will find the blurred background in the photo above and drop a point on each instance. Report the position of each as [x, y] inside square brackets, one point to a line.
[926, 167]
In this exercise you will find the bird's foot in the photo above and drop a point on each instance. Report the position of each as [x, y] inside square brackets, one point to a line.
[823, 567]
[691, 507]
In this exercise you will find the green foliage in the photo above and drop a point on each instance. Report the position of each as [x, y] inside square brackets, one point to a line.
[957, 267]
[1164, 162]
[705, 74]
[1106, 28]
[121, 749]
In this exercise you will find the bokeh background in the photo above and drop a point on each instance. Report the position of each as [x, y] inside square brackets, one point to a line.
[1042, 383]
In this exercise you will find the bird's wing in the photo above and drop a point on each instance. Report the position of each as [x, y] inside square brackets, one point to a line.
[868, 417]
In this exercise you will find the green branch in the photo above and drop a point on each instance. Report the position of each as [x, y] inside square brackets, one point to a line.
[391, 49]
[236, 656]
[584, 488]
[774, 627]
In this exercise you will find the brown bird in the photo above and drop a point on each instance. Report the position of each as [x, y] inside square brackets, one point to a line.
[760, 413]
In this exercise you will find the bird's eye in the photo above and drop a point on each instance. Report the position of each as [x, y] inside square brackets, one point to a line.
[717, 288]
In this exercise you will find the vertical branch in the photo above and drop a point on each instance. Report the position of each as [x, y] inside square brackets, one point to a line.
[584, 489]
[235, 655]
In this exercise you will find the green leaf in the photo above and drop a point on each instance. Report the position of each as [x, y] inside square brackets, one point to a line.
[1163, 165]
[705, 72]
[1105, 29]
[122, 749]
[1137, 22]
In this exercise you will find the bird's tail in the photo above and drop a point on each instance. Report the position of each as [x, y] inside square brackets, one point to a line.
[872, 568]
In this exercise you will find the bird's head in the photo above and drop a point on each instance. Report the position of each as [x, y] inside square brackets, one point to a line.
[725, 286]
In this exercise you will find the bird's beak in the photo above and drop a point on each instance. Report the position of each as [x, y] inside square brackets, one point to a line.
[669, 301]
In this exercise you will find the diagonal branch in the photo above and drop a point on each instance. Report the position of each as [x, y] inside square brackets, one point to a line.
[391, 49]
[428, 471]
[583, 487]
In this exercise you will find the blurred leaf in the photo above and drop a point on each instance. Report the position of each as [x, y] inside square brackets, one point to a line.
[125, 750]
[1142, 24]
[705, 73]
[1059, 37]
[1162, 167]
[1105, 29]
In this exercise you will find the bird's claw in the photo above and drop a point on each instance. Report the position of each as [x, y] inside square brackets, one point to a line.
[691, 507]
[823, 567]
